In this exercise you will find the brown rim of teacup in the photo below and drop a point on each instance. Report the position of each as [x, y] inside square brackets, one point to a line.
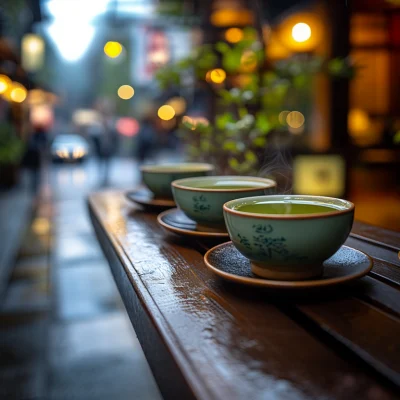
[290, 216]
[269, 183]
[203, 167]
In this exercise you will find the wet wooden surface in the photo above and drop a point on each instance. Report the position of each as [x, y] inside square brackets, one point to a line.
[206, 338]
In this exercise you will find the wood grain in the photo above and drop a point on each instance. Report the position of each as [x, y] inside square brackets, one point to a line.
[208, 339]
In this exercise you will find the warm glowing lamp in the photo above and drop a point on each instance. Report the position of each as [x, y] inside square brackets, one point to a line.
[18, 92]
[113, 49]
[229, 17]
[301, 32]
[166, 112]
[5, 83]
[126, 92]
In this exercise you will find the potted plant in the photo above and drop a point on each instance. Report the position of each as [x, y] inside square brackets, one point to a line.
[248, 99]
[11, 151]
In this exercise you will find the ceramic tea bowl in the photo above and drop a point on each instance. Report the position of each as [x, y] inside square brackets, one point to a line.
[288, 237]
[201, 199]
[158, 178]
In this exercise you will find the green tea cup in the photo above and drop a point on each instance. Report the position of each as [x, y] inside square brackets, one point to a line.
[288, 237]
[158, 177]
[201, 199]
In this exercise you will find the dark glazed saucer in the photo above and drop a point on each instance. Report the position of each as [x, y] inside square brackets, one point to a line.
[146, 199]
[176, 221]
[345, 265]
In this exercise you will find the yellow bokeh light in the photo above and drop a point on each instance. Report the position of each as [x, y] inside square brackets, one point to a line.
[282, 116]
[229, 17]
[358, 122]
[166, 112]
[234, 35]
[113, 49]
[301, 32]
[18, 93]
[41, 226]
[248, 61]
[5, 83]
[178, 104]
[295, 119]
[217, 75]
[125, 92]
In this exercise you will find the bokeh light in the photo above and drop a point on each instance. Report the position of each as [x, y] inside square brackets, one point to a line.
[112, 49]
[32, 52]
[166, 112]
[234, 35]
[127, 126]
[295, 119]
[126, 92]
[301, 32]
[41, 115]
[41, 226]
[5, 83]
[18, 93]
[282, 117]
[178, 104]
[229, 17]
[86, 117]
[217, 75]
[248, 61]
[358, 122]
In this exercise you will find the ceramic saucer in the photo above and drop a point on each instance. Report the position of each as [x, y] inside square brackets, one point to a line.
[146, 199]
[345, 265]
[176, 221]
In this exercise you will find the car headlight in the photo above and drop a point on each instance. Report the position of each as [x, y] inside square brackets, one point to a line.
[62, 153]
[79, 152]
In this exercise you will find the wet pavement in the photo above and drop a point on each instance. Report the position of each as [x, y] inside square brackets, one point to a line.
[65, 332]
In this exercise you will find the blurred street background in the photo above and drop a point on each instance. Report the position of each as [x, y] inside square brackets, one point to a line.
[303, 91]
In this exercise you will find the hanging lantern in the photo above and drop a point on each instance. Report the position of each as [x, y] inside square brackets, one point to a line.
[32, 52]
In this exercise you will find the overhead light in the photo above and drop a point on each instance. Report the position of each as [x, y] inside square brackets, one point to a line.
[301, 32]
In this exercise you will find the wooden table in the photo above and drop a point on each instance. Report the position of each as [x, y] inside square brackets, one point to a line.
[205, 338]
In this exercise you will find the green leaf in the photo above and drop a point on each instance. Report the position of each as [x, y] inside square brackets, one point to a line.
[222, 47]
[221, 121]
[262, 122]
[260, 142]
[233, 163]
[250, 156]
[230, 146]
[231, 60]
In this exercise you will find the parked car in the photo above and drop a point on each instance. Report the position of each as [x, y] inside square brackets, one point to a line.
[69, 148]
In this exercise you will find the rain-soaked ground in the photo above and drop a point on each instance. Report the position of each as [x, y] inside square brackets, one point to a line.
[64, 331]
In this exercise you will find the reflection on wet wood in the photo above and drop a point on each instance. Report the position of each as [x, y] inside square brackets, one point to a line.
[209, 339]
